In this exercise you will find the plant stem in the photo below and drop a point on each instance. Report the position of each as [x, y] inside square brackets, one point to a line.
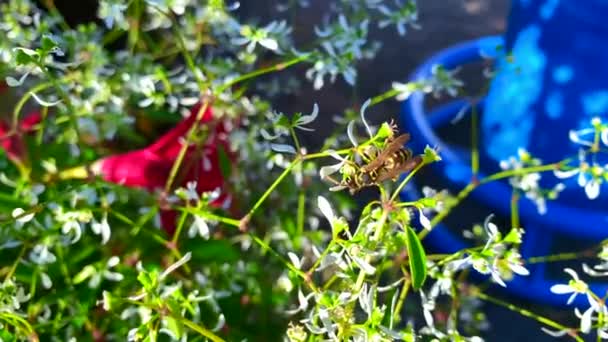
[199, 329]
[22, 101]
[15, 263]
[402, 297]
[464, 193]
[197, 72]
[273, 186]
[259, 72]
[288, 264]
[527, 313]
[474, 141]
[557, 257]
[185, 145]
[406, 180]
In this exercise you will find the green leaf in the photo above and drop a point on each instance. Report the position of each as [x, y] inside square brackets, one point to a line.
[25, 56]
[48, 44]
[175, 327]
[146, 280]
[86, 272]
[417, 258]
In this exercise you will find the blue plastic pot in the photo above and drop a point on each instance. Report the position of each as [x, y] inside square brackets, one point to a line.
[557, 81]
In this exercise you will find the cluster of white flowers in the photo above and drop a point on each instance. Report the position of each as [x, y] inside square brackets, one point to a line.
[528, 183]
[590, 173]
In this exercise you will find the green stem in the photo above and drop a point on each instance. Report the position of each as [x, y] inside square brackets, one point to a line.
[322, 256]
[296, 141]
[182, 152]
[529, 314]
[197, 328]
[213, 217]
[23, 100]
[16, 263]
[515, 210]
[287, 264]
[402, 296]
[464, 193]
[558, 257]
[301, 213]
[180, 226]
[273, 186]
[406, 180]
[186, 54]
[474, 141]
[277, 67]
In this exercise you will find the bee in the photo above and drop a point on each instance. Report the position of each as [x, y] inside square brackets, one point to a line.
[379, 165]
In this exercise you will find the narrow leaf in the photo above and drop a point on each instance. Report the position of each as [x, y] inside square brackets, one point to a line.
[417, 258]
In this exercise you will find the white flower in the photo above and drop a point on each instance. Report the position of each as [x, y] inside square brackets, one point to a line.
[328, 170]
[41, 255]
[575, 286]
[252, 36]
[102, 228]
[21, 217]
[72, 226]
[112, 12]
[199, 226]
[303, 303]
[306, 119]
[191, 194]
[590, 177]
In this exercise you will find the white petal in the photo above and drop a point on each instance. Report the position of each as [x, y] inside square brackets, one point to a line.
[566, 174]
[351, 134]
[582, 180]
[561, 289]
[592, 189]
[586, 320]
[43, 102]
[558, 333]
[176, 265]
[604, 136]
[424, 221]
[329, 170]
[306, 119]
[572, 273]
[12, 82]
[269, 43]
[113, 261]
[47, 283]
[364, 265]
[294, 259]
[18, 215]
[497, 278]
[367, 127]
[283, 148]
[519, 269]
[201, 227]
[326, 209]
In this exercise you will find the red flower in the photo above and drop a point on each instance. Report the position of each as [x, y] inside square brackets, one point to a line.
[150, 167]
[12, 142]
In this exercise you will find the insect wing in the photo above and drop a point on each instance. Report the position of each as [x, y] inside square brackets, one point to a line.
[391, 148]
[408, 165]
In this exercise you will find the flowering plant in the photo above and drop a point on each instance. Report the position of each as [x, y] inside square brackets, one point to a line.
[232, 224]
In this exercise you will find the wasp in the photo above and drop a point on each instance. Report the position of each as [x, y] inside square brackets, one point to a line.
[380, 165]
